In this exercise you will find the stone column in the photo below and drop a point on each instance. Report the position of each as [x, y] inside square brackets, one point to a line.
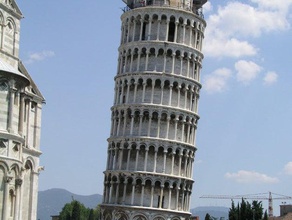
[167, 30]
[152, 195]
[125, 122]
[176, 31]
[149, 124]
[184, 33]
[142, 194]
[106, 192]
[183, 129]
[147, 60]
[132, 124]
[134, 30]
[11, 108]
[173, 63]
[189, 130]
[188, 67]
[152, 92]
[140, 123]
[158, 29]
[137, 156]
[133, 193]
[167, 126]
[178, 95]
[141, 29]
[191, 33]
[119, 124]
[169, 197]
[164, 160]
[172, 162]
[181, 63]
[179, 164]
[27, 121]
[138, 62]
[21, 114]
[135, 91]
[175, 127]
[7, 180]
[155, 160]
[158, 127]
[18, 183]
[144, 88]
[110, 192]
[149, 29]
[121, 156]
[177, 196]
[161, 97]
[146, 158]
[124, 192]
[117, 192]
[132, 58]
[170, 94]
[129, 157]
[161, 196]
[186, 167]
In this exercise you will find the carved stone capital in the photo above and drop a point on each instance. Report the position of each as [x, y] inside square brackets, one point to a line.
[18, 182]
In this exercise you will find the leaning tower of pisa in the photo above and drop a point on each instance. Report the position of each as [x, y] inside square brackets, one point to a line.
[151, 147]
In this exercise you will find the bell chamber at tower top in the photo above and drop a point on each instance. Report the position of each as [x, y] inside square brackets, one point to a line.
[190, 5]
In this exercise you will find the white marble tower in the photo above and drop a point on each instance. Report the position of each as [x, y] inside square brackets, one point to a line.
[151, 147]
[20, 123]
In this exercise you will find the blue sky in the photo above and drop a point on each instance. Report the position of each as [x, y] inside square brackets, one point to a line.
[243, 138]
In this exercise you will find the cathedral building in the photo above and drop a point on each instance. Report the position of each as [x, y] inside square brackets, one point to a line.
[151, 148]
[20, 122]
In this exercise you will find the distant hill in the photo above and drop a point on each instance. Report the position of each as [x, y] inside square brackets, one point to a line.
[215, 211]
[51, 202]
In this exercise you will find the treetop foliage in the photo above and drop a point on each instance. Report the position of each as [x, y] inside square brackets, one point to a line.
[247, 211]
[77, 211]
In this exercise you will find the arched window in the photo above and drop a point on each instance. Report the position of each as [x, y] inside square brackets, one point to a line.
[9, 40]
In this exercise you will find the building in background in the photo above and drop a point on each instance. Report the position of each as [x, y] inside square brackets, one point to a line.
[20, 123]
[151, 148]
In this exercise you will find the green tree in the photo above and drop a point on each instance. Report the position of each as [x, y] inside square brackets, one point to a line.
[246, 211]
[77, 211]
[208, 217]
[65, 214]
[266, 215]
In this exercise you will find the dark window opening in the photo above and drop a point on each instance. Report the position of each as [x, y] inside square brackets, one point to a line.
[144, 31]
[171, 31]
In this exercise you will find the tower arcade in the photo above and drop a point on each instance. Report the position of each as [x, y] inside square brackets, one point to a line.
[151, 148]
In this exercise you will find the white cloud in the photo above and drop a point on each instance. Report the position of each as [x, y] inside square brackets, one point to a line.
[247, 71]
[244, 176]
[288, 168]
[217, 81]
[282, 5]
[39, 56]
[221, 47]
[230, 29]
[270, 78]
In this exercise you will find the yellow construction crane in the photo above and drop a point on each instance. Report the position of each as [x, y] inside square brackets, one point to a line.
[259, 196]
